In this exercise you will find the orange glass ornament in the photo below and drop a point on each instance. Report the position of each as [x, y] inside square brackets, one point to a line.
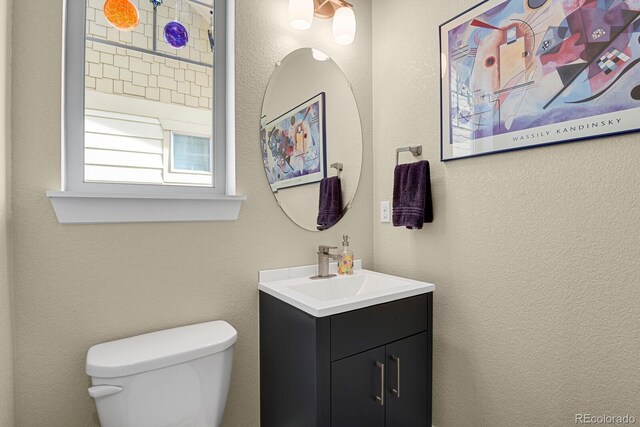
[122, 14]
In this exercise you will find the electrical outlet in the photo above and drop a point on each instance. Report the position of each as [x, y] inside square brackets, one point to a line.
[385, 212]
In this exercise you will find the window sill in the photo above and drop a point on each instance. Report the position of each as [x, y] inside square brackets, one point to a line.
[74, 207]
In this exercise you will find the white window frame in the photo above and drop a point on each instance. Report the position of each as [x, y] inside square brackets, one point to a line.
[172, 167]
[77, 200]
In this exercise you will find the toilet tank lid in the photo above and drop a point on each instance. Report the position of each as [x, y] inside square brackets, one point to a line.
[160, 349]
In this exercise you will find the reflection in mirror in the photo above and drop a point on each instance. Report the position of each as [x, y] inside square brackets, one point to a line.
[311, 139]
[149, 92]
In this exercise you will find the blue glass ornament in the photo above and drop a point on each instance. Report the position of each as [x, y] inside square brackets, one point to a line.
[176, 35]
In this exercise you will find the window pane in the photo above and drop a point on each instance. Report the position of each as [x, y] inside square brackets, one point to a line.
[148, 74]
[191, 153]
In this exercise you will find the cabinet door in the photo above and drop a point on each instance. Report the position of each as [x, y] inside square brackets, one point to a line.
[408, 378]
[357, 390]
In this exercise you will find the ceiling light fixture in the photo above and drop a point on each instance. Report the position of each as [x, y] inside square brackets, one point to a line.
[301, 13]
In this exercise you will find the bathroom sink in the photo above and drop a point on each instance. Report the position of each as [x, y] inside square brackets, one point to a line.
[325, 297]
[361, 283]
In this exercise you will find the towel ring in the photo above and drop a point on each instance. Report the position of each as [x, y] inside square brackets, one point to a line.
[416, 151]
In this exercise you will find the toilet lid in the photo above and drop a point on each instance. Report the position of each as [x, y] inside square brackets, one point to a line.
[160, 349]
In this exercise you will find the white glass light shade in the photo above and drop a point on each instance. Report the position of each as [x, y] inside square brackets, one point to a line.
[301, 14]
[344, 26]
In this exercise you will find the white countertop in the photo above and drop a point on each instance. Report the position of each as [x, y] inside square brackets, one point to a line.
[326, 297]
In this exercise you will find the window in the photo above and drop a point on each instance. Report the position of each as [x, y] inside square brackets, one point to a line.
[190, 153]
[148, 109]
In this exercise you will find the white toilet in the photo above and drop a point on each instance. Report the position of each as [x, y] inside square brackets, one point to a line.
[174, 378]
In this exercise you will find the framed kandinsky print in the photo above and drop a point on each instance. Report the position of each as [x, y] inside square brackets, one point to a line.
[293, 145]
[523, 73]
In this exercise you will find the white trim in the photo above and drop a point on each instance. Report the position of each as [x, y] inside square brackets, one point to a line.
[104, 208]
[230, 81]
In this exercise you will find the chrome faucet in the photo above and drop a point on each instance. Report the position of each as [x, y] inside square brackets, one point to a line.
[324, 255]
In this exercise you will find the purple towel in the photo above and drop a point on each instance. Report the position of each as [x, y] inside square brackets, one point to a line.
[330, 206]
[412, 195]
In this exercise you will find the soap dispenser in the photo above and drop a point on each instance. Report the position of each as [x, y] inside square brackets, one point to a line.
[345, 263]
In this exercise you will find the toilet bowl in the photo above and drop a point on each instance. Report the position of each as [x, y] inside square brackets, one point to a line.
[174, 378]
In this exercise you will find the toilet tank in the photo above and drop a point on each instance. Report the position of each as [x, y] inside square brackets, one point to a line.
[174, 378]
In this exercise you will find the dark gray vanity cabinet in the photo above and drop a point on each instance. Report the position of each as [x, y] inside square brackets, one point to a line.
[401, 376]
[369, 367]
[354, 382]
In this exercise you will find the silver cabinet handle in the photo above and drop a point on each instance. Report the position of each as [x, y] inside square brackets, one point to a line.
[396, 391]
[380, 399]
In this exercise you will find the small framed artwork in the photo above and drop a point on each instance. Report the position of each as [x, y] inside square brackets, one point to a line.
[293, 145]
[524, 73]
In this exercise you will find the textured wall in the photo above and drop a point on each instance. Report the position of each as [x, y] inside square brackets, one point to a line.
[534, 253]
[6, 321]
[76, 286]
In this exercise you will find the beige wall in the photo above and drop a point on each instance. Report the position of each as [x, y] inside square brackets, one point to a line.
[76, 286]
[534, 253]
[7, 404]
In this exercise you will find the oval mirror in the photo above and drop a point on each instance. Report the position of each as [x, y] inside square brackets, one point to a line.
[311, 139]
